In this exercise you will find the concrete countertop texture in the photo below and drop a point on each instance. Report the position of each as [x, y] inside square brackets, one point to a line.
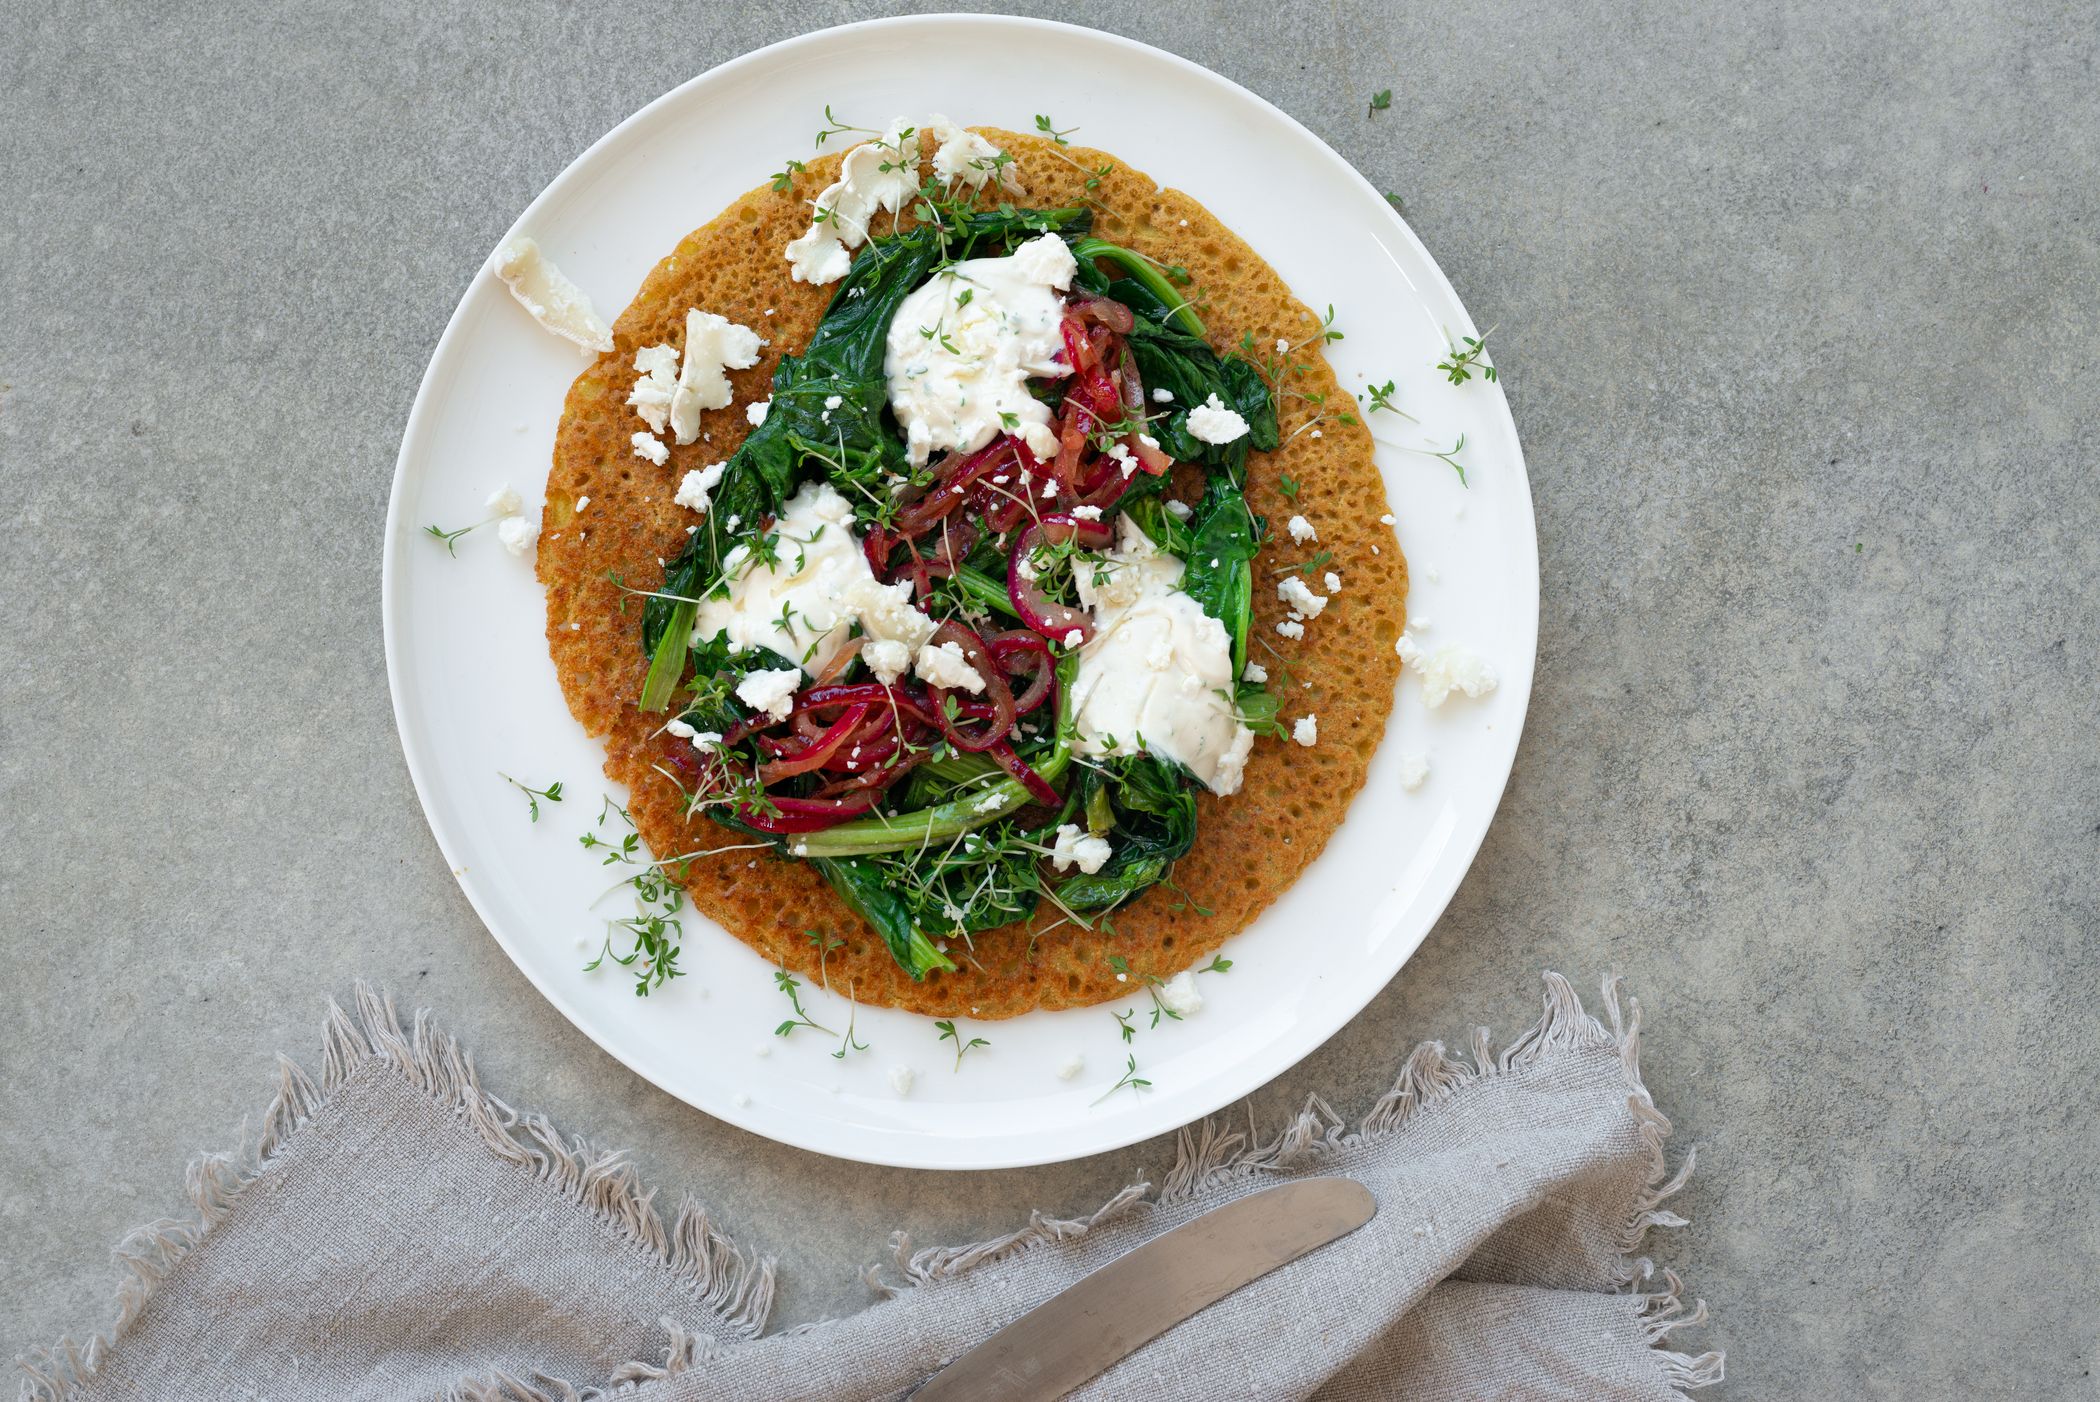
[1799, 317]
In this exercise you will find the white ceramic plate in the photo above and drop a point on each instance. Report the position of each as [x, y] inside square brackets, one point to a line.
[475, 693]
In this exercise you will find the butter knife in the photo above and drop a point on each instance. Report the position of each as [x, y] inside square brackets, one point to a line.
[1100, 1320]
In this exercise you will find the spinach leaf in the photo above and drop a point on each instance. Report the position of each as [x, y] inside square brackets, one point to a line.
[1169, 533]
[1220, 574]
[957, 891]
[1171, 354]
[1154, 803]
[864, 888]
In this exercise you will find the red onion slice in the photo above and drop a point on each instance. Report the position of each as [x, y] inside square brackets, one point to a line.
[1037, 786]
[996, 693]
[813, 755]
[1054, 620]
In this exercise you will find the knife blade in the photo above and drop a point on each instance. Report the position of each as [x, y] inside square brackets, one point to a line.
[1105, 1317]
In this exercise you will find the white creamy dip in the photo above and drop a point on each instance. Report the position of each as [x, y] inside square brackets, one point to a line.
[963, 347]
[1157, 666]
[804, 605]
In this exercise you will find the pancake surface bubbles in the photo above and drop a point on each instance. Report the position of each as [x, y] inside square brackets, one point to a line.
[1249, 848]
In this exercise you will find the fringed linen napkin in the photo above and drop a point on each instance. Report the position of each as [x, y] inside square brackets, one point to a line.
[398, 1232]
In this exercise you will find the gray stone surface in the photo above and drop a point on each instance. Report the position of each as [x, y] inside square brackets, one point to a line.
[1798, 310]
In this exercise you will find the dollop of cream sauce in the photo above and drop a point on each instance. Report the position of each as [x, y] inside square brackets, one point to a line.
[1157, 672]
[964, 345]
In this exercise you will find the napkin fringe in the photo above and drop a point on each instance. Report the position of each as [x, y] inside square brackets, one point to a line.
[1211, 1154]
[730, 1283]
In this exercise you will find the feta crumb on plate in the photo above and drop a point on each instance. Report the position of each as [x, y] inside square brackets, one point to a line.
[505, 501]
[1414, 768]
[1071, 1066]
[518, 534]
[1179, 994]
[1451, 668]
[554, 302]
[901, 1078]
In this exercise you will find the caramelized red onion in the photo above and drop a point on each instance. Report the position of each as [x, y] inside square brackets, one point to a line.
[996, 694]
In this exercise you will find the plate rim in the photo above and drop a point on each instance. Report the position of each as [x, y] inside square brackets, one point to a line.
[1525, 648]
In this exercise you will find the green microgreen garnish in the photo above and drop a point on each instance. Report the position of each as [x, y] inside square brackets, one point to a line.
[787, 983]
[552, 793]
[1458, 365]
[948, 1033]
[1130, 1079]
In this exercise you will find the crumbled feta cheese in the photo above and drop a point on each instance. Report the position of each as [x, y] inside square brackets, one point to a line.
[1387, 520]
[714, 345]
[517, 533]
[698, 485]
[701, 739]
[1179, 510]
[990, 803]
[1291, 628]
[1334, 582]
[555, 302]
[1255, 673]
[1414, 768]
[1086, 513]
[1432, 574]
[831, 401]
[1070, 1067]
[505, 501]
[1076, 848]
[755, 412]
[965, 158]
[1302, 530]
[1451, 669]
[1162, 395]
[888, 659]
[945, 666]
[1124, 457]
[647, 445]
[1307, 731]
[1074, 638]
[771, 690]
[1293, 590]
[901, 1078]
[582, 502]
[1213, 422]
[658, 381]
[1179, 994]
[740, 1100]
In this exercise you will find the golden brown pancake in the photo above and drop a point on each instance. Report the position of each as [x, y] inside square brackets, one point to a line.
[1249, 847]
